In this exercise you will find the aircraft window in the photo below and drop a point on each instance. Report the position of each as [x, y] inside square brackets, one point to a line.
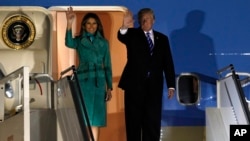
[188, 89]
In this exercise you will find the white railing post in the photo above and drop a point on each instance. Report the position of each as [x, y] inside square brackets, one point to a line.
[26, 103]
[1, 102]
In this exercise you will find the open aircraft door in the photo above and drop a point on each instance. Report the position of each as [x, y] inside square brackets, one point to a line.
[33, 37]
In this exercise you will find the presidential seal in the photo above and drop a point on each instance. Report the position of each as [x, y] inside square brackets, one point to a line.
[18, 32]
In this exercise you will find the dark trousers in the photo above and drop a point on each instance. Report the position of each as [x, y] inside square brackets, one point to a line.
[143, 106]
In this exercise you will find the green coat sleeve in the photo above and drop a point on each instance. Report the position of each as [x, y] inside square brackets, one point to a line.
[108, 68]
[69, 40]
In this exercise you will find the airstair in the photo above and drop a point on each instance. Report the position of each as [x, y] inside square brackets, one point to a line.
[232, 105]
[65, 111]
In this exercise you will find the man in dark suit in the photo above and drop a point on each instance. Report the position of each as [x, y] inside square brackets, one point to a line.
[142, 77]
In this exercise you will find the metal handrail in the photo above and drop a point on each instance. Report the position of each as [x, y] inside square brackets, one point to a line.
[21, 74]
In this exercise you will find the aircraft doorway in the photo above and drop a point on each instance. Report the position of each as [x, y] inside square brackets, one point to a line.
[111, 17]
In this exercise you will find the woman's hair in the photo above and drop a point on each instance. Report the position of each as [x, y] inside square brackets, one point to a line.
[144, 11]
[98, 21]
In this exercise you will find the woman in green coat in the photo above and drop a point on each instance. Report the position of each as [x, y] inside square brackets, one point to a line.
[94, 70]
